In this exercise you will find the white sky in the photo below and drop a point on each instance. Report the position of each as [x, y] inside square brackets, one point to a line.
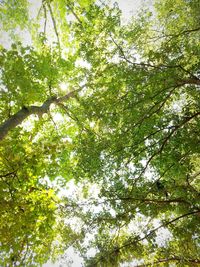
[128, 7]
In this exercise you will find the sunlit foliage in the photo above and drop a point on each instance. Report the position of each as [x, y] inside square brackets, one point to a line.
[113, 108]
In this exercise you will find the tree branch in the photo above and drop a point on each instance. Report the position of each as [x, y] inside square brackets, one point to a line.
[193, 261]
[25, 112]
[166, 140]
[138, 239]
[54, 25]
[75, 15]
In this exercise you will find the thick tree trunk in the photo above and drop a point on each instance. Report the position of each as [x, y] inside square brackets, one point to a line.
[25, 112]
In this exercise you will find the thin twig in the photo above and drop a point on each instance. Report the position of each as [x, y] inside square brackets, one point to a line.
[54, 25]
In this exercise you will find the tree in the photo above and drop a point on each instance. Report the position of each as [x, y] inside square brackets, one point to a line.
[128, 126]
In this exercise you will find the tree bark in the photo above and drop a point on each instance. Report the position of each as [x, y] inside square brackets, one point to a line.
[160, 261]
[25, 112]
[192, 81]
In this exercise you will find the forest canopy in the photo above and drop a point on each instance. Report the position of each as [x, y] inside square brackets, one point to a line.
[100, 133]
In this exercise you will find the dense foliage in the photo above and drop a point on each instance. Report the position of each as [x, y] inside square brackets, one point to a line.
[114, 109]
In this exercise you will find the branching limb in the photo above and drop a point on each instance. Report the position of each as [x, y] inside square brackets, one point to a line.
[25, 112]
[137, 239]
[171, 259]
